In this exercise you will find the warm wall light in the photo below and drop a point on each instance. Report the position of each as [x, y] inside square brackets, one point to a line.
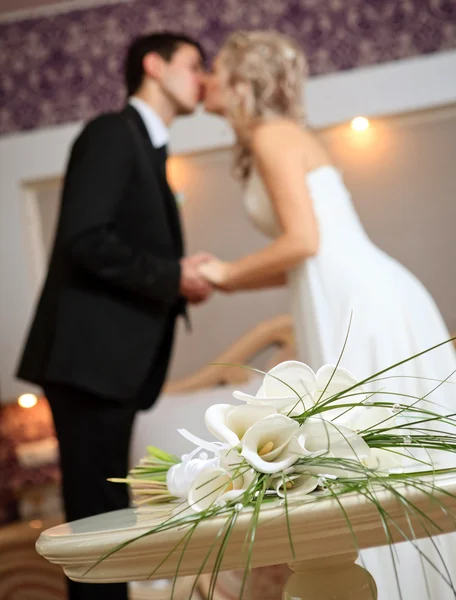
[27, 400]
[360, 124]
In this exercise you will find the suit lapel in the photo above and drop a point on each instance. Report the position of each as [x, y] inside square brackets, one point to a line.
[152, 163]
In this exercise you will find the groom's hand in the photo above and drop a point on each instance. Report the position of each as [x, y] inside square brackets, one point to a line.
[193, 285]
[199, 258]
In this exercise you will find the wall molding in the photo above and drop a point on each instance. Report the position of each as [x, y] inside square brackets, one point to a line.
[48, 10]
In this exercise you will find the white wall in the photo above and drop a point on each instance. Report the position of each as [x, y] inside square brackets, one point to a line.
[386, 89]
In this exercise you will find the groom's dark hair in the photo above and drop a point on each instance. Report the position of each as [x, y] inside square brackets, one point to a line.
[165, 44]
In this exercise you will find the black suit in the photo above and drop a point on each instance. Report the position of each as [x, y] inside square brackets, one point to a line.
[101, 338]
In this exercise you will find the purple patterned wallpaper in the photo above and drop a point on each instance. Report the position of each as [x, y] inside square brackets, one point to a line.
[68, 66]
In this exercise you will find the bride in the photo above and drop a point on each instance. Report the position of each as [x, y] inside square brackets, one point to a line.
[338, 279]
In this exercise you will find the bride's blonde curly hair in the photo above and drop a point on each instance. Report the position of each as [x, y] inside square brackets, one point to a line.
[264, 73]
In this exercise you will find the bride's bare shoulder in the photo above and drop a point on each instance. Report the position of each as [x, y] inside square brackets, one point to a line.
[273, 129]
[286, 135]
[276, 135]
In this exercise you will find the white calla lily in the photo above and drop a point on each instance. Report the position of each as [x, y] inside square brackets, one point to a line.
[330, 381]
[296, 485]
[373, 417]
[229, 423]
[379, 417]
[292, 387]
[180, 477]
[265, 444]
[384, 460]
[318, 437]
[247, 476]
[216, 486]
[230, 459]
[208, 487]
[289, 384]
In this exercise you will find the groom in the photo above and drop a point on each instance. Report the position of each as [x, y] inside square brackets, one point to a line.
[102, 335]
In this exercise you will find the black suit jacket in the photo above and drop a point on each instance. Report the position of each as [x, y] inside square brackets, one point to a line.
[112, 289]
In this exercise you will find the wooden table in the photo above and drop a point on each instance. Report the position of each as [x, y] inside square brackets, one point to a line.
[324, 564]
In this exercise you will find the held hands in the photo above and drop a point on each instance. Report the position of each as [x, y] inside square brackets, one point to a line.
[201, 274]
[194, 286]
[217, 272]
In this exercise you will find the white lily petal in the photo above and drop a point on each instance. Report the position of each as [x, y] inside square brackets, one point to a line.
[301, 485]
[234, 463]
[215, 419]
[295, 375]
[230, 459]
[287, 387]
[297, 446]
[228, 497]
[243, 396]
[373, 417]
[241, 482]
[293, 410]
[317, 435]
[265, 444]
[180, 477]
[229, 423]
[261, 390]
[240, 418]
[333, 441]
[346, 416]
[279, 404]
[210, 446]
[208, 487]
[283, 461]
[331, 472]
[383, 460]
[248, 397]
[339, 380]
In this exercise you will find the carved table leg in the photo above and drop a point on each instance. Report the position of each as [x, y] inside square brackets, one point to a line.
[337, 578]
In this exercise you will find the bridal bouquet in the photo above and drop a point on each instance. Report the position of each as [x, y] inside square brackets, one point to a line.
[304, 436]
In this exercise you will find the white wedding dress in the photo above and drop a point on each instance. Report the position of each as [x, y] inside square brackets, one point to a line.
[393, 318]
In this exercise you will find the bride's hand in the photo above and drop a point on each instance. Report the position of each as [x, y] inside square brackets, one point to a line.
[216, 272]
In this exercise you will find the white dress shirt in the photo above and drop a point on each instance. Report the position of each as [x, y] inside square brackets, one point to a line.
[157, 130]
